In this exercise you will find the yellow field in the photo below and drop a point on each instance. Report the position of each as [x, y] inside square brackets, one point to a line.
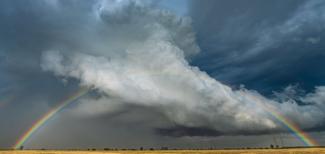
[259, 151]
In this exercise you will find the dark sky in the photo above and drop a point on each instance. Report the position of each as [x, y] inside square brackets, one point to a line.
[189, 74]
[265, 45]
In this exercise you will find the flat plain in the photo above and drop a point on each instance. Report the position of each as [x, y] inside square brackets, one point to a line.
[251, 151]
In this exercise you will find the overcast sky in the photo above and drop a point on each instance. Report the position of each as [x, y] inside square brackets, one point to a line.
[183, 74]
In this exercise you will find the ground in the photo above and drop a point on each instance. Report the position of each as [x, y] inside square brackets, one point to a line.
[256, 151]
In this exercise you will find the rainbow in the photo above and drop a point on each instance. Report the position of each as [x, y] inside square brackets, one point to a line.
[271, 110]
[65, 102]
[294, 128]
[287, 123]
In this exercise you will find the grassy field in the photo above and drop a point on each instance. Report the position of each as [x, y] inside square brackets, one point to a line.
[259, 151]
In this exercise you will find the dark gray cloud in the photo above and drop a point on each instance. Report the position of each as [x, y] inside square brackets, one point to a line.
[263, 45]
[182, 131]
[137, 59]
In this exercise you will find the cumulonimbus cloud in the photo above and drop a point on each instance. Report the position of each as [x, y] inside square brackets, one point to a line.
[140, 55]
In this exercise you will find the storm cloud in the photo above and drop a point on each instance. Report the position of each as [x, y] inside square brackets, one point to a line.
[183, 76]
[264, 45]
[153, 70]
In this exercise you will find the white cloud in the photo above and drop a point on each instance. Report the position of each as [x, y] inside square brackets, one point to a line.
[141, 57]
